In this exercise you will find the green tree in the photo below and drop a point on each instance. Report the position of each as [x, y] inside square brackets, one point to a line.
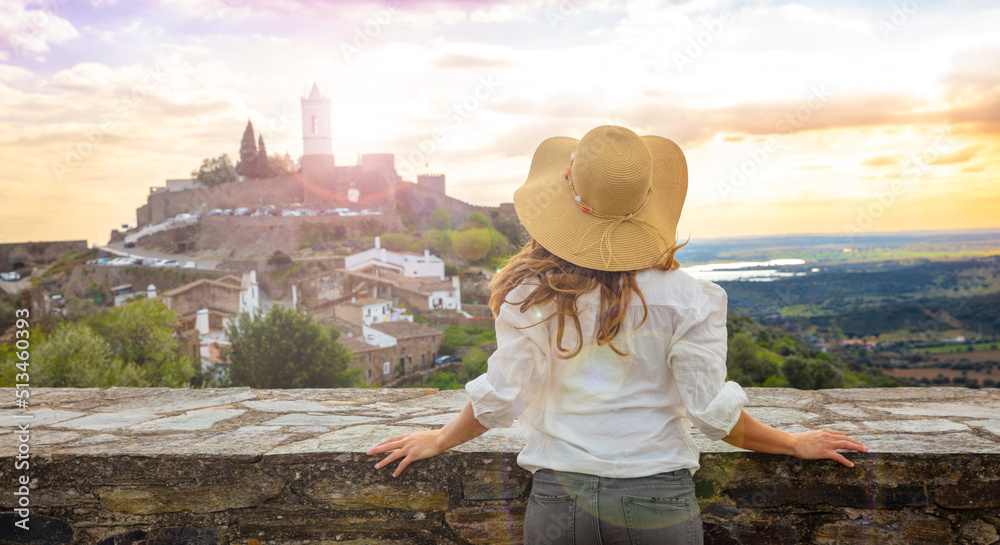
[440, 219]
[810, 374]
[797, 370]
[215, 172]
[474, 363]
[142, 333]
[286, 349]
[262, 169]
[246, 166]
[745, 364]
[454, 337]
[471, 243]
[479, 218]
[444, 380]
[75, 356]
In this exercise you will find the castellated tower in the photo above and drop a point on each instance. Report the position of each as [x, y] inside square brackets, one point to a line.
[317, 145]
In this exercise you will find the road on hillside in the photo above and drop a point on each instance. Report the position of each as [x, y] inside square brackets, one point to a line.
[118, 248]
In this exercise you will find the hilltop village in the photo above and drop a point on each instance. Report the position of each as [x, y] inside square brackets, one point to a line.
[390, 263]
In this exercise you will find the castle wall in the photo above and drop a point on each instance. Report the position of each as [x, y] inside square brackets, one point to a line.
[249, 193]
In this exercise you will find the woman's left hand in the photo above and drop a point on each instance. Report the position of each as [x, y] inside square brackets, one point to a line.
[410, 447]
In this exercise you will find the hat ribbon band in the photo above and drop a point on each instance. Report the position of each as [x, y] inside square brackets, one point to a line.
[613, 223]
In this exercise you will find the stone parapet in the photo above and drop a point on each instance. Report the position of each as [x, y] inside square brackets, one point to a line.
[138, 466]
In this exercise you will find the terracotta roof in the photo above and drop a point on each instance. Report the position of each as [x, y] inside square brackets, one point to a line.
[416, 285]
[365, 301]
[231, 279]
[403, 329]
[197, 283]
[356, 344]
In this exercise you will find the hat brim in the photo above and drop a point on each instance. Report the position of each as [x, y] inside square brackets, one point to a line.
[545, 205]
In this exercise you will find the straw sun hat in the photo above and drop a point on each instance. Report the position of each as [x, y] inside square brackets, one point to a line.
[609, 201]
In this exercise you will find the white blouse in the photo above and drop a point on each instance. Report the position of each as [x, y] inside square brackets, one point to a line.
[603, 414]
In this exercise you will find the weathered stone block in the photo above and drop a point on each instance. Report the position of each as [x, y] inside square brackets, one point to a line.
[498, 484]
[977, 532]
[207, 498]
[42, 530]
[776, 531]
[174, 535]
[717, 534]
[913, 530]
[984, 495]
[499, 525]
[267, 528]
[837, 495]
[345, 495]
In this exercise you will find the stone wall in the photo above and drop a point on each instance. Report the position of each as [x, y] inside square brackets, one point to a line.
[17, 255]
[250, 193]
[130, 466]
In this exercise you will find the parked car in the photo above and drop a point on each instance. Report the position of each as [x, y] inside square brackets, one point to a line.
[183, 216]
[242, 211]
[130, 244]
[215, 212]
[367, 212]
[444, 360]
[190, 265]
[11, 276]
[171, 263]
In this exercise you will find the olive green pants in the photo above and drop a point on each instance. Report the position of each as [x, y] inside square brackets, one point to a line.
[574, 508]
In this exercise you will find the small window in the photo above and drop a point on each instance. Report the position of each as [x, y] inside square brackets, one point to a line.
[315, 125]
[385, 368]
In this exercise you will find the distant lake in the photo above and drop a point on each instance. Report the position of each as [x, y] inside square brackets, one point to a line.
[755, 271]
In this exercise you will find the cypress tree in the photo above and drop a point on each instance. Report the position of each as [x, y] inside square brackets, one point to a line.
[247, 164]
[262, 169]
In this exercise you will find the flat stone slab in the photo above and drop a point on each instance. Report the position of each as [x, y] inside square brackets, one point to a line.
[992, 426]
[289, 406]
[944, 409]
[195, 420]
[251, 422]
[105, 421]
[305, 419]
[39, 417]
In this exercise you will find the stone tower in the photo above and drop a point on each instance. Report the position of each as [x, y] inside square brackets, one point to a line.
[316, 124]
[317, 146]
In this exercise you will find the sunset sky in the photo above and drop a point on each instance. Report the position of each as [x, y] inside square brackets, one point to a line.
[866, 115]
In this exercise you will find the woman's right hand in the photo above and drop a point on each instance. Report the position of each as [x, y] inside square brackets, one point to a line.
[823, 444]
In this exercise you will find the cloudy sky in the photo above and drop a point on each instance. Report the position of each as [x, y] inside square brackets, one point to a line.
[796, 117]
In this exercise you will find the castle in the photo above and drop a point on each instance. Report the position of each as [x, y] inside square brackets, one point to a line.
[371, 184]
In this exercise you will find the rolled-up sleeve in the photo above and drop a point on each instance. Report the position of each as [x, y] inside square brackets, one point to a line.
[697, 359]
[516, 371]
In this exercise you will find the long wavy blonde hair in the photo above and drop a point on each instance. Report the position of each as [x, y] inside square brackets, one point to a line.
[562, 282]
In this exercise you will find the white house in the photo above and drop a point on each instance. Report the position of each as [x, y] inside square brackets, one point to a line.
[410, 265]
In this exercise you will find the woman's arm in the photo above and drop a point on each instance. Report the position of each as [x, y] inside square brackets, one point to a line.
[810, 445]
[424, 444]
